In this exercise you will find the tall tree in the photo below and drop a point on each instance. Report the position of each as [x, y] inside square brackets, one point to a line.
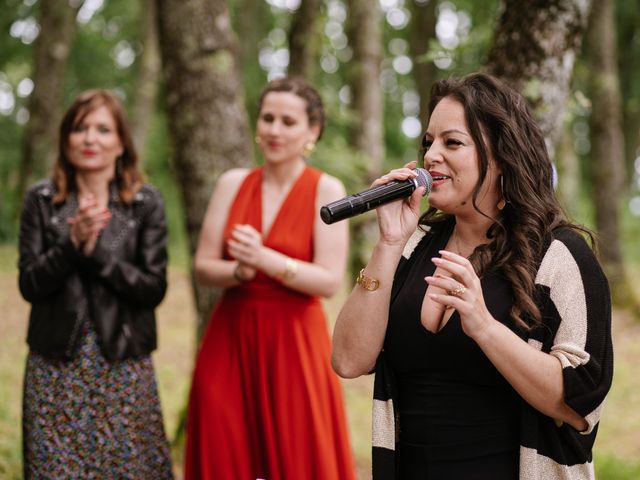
[607, 143]
[422, 32]
[52, 48]
[147, 78]
[367, 136]
[365, 38]
[628, 30]
[568, 165]
[534, 49]
[207, 118]
[304, 38]
[254, 20]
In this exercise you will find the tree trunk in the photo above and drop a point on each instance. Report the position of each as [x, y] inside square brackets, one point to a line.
[304, 39]
[253, 19]
[422, 31]
[52, 48]
[365, 38]
[607, 144]
[569, 175]
[367, 135]
[628, 30]
[207, 118]
[534, 49]
[147, 78]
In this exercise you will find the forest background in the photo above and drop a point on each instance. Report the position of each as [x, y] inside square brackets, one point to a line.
[190, 73]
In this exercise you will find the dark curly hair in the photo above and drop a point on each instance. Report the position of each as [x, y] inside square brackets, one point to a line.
[496, 112]
[128, 177]
[300, 87]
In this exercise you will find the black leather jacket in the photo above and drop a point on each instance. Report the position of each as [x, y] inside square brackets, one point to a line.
[117, 287]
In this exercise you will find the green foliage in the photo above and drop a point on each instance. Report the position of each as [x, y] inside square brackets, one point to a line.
[112, 33]
[15, 65]
[100, 56]
[630, 236]
[160, 171]
[611, 468]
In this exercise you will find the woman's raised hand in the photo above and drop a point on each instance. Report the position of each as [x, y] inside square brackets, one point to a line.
[398, 220]
[86, 225]
[462, 291]
[245, 245]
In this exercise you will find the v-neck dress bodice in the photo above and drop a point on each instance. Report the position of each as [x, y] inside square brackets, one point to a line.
[265, 402]
[291, 231]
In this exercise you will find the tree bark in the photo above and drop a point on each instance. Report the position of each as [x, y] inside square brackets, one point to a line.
[304, 39]
[207, 118]
[254, 19]
[607, 143]
[422, 31]
[364, 35]
[534, 49]
[147, 78]
[52, 48]
[251, 18]
[628, 28]
[367, 135]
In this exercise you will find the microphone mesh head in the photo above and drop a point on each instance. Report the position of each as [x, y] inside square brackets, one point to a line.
[424, 180]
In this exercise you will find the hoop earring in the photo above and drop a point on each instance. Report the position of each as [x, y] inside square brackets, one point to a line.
[308, 148]
[502, 203]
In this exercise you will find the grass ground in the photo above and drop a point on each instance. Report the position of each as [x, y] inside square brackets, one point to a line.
[617, 448]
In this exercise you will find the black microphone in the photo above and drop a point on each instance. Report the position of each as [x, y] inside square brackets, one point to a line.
[374, 197]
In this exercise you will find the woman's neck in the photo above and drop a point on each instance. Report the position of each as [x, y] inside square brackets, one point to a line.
[96, 184]
[282, 174]
[472, 233]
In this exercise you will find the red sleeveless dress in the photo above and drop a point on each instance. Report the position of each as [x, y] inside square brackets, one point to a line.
[264, 401]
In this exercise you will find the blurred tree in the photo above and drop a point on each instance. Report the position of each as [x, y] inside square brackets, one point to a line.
[52, 48]
[16, 65]
[607, 145]
[367, 134]
[147, 77]
[207, 118]
[422, 33]
[107, 49]
[304, 38]
[252, 20]
[364, 35]
[568, 164]
[627, 26]
[534, 49]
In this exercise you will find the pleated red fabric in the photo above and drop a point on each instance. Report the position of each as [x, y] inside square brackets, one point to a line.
[264, 401]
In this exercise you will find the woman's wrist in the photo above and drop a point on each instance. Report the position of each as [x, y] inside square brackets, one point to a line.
[289, 271]
[393, 243]
[240, 274]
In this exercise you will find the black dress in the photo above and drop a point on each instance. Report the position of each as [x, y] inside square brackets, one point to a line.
[458, 416]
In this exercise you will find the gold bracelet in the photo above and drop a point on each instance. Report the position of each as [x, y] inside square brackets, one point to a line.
[366, 282]
[290, 270]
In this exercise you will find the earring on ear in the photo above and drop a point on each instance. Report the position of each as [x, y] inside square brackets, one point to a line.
[502, 203]
[257, 140]
[308, 148]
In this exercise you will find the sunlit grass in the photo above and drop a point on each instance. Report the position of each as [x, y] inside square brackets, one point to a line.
[617, 448]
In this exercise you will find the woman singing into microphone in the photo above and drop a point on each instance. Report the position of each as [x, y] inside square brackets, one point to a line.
[487, 319]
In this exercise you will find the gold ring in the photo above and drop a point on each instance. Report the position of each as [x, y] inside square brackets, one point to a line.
[458, 291]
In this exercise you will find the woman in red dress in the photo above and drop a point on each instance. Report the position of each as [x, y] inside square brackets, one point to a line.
[264, 401]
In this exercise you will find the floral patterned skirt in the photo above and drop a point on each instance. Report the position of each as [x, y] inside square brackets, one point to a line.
[91, 418]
